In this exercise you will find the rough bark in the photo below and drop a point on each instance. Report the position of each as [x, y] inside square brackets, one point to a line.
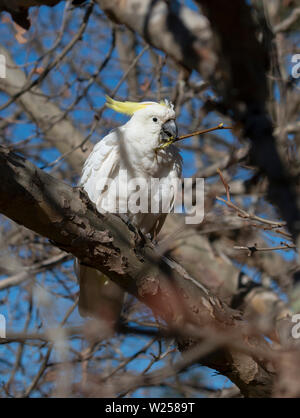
[67, 217]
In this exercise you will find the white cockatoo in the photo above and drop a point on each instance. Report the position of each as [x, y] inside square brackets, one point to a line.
[127, 153]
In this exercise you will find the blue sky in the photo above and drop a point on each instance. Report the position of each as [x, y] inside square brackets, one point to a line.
[23, 54]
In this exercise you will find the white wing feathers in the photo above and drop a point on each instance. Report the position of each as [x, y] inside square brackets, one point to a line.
[103, 162]
[99, 297]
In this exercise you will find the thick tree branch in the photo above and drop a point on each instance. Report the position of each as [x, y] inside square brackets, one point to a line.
[181, 33]
[67, 217]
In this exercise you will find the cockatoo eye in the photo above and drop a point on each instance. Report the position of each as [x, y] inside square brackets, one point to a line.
[154, 119]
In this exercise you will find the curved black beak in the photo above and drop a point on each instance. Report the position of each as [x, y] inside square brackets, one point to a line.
[169, 130]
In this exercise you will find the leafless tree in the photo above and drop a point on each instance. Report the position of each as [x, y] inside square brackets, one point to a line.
[220, 294]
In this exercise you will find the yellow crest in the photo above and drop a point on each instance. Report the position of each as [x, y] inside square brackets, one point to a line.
[128, 108]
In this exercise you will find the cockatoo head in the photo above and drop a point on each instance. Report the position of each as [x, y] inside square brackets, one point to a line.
[151, 123]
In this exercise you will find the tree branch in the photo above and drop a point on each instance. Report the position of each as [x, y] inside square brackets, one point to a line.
[67, 217]
[178, 31]
[58, 129]
[19, 8]
[240, 79]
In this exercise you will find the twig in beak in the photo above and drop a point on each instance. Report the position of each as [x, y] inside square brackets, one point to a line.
[204, 131]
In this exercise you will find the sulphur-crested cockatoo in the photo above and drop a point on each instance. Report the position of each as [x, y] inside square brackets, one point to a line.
[127, 153]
